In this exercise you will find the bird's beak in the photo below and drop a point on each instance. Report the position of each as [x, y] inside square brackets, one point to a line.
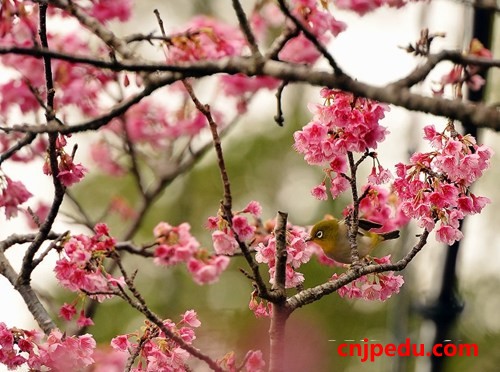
[308, 239]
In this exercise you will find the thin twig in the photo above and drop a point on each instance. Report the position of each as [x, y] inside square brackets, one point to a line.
[311, 37]
[27, 265]
[227, 197]
[280, 42]
[278, 118]
[140, 304]
[245, 28]
[26, 140]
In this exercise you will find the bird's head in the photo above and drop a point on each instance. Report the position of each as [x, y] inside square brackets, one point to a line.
[324, 234]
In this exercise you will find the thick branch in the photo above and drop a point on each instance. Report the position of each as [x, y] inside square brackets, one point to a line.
[477, 114]
[281, 256]
[29, 296]
[310, 295]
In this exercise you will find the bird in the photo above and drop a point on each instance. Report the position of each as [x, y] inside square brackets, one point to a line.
[332, 236]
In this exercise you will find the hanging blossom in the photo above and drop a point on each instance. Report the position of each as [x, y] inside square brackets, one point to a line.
[365, 6]
[58, 352]
[158, 352]
[435, 187]
[253, 362]
[468, 74]
[68, 312]
[177, 245]
[80, 267]
[260, 308]
[12, 195]
[69, 172]
[372, 287]
[343, 123]
[224, 239]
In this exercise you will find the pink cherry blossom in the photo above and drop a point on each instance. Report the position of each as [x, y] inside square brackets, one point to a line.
[176, 243]
[372, 287]
[224, 243]
[338, 185]
[342, 124]
[209, 270]
[319, 192]
[84, 321]
[298, 253]
[254, 208]
[79, 267]
[435, 186]
[121, 343]
[191, 318]
[67, 311]
[254, 361]
[13, 194]
[105, 10]
[206, 39]
[260, 308]
[243, 229]
[379, 175]
[158, 352]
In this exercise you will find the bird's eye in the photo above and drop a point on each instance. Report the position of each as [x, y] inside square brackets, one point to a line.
[319, 234]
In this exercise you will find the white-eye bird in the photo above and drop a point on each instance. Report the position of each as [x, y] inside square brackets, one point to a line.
[332, 236]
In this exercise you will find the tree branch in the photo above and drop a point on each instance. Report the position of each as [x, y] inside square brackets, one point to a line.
[310, 295]
[479, 115]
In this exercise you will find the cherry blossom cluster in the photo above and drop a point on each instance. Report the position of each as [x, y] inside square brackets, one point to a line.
[298, 253]
[468, 74]
[253, 362]
[57, 352]
[343, 123]
[226, 236]
[382, 206]
[372, 287]
[69, 311]
[76, 85]
[12, 195]
[68, 172]
[435, 186]
[260, 308]
[155, 350]
[365, 6]
[80, 267]
[177, 245]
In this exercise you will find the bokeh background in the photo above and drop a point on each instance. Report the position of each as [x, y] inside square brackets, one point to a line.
[263, 166]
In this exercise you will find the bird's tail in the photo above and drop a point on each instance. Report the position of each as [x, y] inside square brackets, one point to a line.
[390, 235]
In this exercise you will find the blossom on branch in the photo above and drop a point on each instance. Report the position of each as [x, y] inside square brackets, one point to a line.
[12, 195]
[376, 286]
[177, 245]
[157, 351]
[80, 267]
[58, 352]
[435, 186]
[344, 123]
